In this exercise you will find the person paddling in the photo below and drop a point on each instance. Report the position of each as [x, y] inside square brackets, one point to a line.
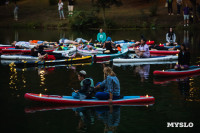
[87, 87]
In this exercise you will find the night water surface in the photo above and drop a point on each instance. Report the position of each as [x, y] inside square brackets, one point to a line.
[176, 100]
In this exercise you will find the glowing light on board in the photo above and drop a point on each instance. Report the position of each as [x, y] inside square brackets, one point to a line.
[40, 95]
[147, 95]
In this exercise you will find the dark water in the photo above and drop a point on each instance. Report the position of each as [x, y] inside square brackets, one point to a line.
[177, 100]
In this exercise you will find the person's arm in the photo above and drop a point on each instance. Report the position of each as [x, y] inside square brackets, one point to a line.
[104, 37]
[104, 45]
[167, 38]
[102, 85]
[179, 57]
[174, 38]
[111, 97]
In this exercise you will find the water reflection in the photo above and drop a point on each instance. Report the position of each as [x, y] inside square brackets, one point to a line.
[109, 115]
[13, 77]
[186, 85]
[189, 91]
[42, 72]
[186, 38]
[89, 116]
[16, 83]
[143, 71]
[16, 36]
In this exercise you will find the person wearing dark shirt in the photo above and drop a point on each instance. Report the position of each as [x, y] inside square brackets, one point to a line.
[183, 59]
[170, 7]
[34, 52]
[87, 86]
[178, 3]
[109, 46]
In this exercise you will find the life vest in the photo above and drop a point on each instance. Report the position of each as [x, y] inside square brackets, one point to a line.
[88, 86]
[91, 82]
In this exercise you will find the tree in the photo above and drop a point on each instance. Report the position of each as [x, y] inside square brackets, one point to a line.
[103, 4]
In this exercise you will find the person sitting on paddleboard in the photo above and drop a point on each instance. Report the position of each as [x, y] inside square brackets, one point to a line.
[101, 36]
[183, 59]
[143, 50]
[109, 46]
[87, 87]
[110, 86]
[171, 38]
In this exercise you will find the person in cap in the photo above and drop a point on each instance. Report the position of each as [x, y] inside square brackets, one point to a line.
[108, 45]
[143, 50]
[87, 87]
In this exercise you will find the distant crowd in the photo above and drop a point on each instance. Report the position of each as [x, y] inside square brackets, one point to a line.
[187, 11]
[181, 6]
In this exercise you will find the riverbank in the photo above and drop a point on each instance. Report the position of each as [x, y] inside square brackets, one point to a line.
[131, 15]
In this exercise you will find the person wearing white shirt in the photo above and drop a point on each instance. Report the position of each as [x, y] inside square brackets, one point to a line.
[60, 9]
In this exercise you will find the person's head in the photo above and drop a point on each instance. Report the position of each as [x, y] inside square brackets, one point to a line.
[100, 30]
[143, 40]
[108, 71]
[60, 1]
[108, 39]
[81, 75]
[170, 29]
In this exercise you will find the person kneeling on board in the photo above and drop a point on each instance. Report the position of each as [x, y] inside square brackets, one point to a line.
[87, 87]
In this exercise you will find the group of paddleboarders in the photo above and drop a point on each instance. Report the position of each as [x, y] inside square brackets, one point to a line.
[108, 89]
